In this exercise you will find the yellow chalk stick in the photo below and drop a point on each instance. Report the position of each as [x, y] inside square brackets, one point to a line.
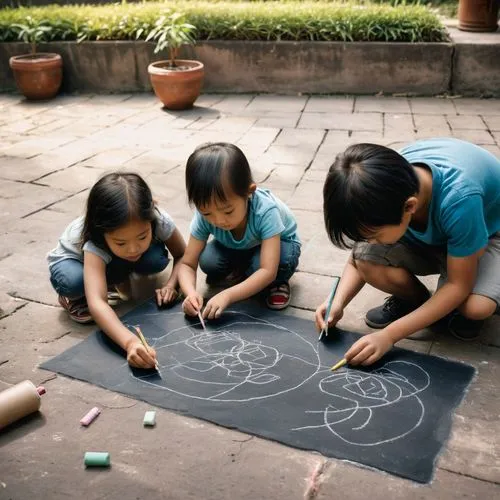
[340, 364]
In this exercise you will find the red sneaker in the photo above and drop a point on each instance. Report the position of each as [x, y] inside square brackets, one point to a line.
[279, 296]
[77, 309]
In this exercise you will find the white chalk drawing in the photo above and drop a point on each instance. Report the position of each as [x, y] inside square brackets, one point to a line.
[363, 402]
[240, 362]
[233, 363]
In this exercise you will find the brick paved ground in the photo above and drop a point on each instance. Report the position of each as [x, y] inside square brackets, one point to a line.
[51, 153]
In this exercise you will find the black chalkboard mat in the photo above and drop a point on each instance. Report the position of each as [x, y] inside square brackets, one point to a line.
[265, 373]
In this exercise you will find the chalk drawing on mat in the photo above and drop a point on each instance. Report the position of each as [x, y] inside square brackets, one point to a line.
[234, 362]
[360, 401]
[238, 362]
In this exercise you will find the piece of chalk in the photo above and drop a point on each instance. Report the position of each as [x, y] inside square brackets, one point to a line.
[90, 416]
[340, 364]
[149, 418]
[97, 459]
[201, 320]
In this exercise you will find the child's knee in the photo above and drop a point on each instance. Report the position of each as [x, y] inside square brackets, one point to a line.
[478, 307]
[67, 279]
[368, 269]
[155, 260]
[208, 262]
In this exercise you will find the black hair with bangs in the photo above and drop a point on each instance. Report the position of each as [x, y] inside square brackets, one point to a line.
[366, 187]
[213, 166]
[113, 201]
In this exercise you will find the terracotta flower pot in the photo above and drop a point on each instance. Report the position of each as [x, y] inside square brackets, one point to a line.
[179, 87]
[478, 15]
[39, 75]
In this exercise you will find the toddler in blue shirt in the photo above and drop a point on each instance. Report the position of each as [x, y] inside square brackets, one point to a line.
[255, 241]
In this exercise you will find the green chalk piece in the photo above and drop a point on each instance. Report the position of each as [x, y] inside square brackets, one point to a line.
[97, 459]
[150, 418]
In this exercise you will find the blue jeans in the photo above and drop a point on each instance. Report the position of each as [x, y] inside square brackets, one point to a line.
[218, 261]
[66, 276]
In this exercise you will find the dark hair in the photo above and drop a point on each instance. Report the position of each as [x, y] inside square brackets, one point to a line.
[366, 187]
[212, 168]
[113, 201]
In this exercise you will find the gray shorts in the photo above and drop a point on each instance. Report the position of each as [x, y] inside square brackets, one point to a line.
[422, 260]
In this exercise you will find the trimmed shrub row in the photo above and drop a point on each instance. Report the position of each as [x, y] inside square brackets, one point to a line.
[229, 20]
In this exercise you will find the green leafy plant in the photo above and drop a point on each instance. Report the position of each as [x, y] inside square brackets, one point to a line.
[33, 31]
[294, 20]
[171, 32]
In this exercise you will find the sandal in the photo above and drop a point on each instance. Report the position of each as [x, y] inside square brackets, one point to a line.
[278, 297]
[114, 296]
[77, 309]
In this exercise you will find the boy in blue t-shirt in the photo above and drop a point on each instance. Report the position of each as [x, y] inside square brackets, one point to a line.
[433, 208]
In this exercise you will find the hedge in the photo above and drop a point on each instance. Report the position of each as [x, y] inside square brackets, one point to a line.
[230, 20]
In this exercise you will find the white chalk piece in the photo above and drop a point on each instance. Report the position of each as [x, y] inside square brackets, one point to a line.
[18, 401]
[149, 418]
[90, 416]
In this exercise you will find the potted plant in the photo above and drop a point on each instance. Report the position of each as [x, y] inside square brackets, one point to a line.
[478, 15]
[38, 75]
[176, 82]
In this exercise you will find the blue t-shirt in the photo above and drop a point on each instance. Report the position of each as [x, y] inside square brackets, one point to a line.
[267, 216]
[465, 206]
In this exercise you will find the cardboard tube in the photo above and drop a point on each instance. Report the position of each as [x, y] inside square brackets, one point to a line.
[18, 401]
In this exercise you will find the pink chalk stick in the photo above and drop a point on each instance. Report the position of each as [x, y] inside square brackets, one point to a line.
[90, 416]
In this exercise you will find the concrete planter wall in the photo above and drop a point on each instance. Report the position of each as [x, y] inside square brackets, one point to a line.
[284, 67]
[476, 63]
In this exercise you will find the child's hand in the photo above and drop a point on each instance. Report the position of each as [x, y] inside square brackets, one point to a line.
[369, 348]
[166, 295]
[333, 319]
[139, 356]
[192, 304]
[216, 305]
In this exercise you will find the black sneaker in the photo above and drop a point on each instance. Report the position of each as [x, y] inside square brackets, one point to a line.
[464, 328]
[391, 310]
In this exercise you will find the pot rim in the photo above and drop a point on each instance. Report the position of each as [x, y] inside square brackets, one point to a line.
[156, 69]
[39, 55]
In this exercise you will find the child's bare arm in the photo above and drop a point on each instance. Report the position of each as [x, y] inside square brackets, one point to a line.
[176, 246]
[264, 276]
[349, 286]
[96, 292]
[187, 276]
[461, 278]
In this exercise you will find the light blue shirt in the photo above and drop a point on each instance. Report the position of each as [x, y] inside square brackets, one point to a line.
[267, 216]
[465, 206]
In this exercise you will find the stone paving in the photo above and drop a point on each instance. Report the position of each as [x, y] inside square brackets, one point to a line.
[52, 152]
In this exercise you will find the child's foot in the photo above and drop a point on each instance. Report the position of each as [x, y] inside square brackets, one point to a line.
[114, 298]
[391, 310]
[77, 309]
[117, 295]
[278, 297]
[121, 292]
[463, 328]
